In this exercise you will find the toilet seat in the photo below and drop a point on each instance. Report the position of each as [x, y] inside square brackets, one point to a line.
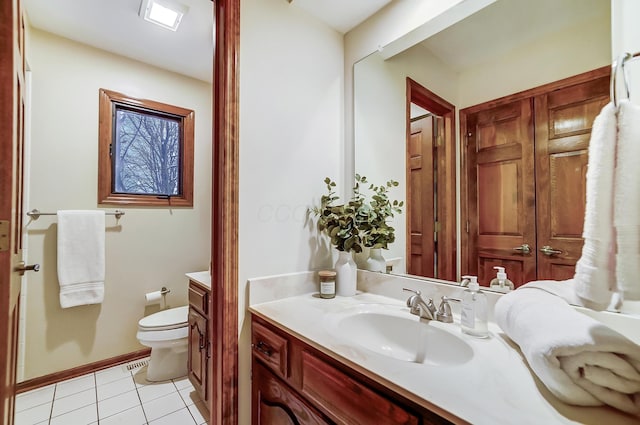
[165, 320]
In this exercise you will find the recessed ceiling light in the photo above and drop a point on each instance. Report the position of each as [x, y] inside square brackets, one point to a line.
[165, 13]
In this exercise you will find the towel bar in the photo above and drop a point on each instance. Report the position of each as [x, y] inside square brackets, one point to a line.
[35, 214]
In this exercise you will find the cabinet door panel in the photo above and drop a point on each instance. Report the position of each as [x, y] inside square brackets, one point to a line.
[275, 404]
[197, 356]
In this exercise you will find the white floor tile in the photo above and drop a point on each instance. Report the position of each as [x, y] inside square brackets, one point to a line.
[74, 401]
[199, 412]
[181, 417]
[75, 385]
[115, 388]
[182, 383]
[34, 398]
[163, 406]
[153, 391]
[33, 415]
[83, 416]
[117, 404]
[190, 396]
[112, 374]
[133, 416]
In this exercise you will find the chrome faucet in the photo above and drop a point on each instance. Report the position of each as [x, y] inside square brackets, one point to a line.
[420, 307]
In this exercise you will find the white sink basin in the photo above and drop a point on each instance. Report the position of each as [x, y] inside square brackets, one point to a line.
[393, 332]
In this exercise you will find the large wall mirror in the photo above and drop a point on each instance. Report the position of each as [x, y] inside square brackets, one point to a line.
[505, 48]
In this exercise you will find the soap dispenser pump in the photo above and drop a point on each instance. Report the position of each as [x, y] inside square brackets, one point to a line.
[501, 283]
[474, 316]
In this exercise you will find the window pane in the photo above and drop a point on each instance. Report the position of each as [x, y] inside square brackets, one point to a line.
[146, 154]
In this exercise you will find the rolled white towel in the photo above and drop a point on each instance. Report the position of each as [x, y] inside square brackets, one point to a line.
[580, 360]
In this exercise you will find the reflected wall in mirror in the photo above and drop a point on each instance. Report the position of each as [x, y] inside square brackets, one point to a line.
[507, 47]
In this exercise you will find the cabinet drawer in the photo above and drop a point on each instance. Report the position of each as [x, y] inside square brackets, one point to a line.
[199, 299]
[271, 348]
[347, 400]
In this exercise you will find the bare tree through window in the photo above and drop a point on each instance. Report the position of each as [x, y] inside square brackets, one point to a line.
[145, 152]
[148, 152]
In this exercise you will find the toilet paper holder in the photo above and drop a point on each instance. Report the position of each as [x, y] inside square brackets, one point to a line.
[164, 290]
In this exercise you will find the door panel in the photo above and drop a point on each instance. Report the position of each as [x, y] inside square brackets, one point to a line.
[501, 191]
[421, 258]
[563, 122]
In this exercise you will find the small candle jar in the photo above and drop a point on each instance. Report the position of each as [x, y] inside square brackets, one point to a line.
[327, 283]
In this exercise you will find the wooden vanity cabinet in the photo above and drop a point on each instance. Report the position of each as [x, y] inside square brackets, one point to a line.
[199, 347]
[293, 383]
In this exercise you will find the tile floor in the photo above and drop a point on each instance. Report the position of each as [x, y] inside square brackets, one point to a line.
[112, 396]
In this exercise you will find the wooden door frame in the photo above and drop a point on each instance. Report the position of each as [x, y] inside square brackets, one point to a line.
[418, 94]
[530, 93]
[7, 104]
[223, 308]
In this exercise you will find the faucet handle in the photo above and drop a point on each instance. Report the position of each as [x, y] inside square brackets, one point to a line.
[411, 301]
[444, 310]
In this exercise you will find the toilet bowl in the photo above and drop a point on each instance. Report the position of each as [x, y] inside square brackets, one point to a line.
[166, 333]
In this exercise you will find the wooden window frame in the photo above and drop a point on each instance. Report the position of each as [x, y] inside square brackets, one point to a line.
[106, 195]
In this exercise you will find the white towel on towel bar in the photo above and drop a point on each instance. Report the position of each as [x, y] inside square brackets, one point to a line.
[594, 276]
[580, 360]
[627, 201]
[81, 257]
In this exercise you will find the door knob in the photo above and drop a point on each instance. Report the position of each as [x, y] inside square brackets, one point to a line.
[22, 267]
[547, 250]
[524, 248]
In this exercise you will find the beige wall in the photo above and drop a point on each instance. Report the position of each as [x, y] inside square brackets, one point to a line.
[148, 248]
[291, 114]
[559, 55]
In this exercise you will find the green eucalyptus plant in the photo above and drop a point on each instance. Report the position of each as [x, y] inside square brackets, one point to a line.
[358, 223]
[376, 232]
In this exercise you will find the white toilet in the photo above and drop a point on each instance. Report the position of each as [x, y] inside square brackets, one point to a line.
[166, 333]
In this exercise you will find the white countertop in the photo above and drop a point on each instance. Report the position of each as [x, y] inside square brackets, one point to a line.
[494, 387]
[203, 278]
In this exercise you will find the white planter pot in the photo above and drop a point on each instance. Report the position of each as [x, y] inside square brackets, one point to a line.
[376, 262]
[346, 274]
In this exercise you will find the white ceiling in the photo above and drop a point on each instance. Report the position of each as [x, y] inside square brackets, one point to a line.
[341, 15]
[115, 26]
[507, 24]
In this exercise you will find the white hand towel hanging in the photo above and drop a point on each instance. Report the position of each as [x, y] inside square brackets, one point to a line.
[81, 257]
[627, 201]
[594, 277]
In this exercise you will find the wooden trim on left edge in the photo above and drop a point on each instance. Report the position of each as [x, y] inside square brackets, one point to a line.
[223, 326]
[53, 378]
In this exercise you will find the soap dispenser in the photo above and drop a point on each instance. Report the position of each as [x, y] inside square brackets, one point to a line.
[501, 283]
[474, 310]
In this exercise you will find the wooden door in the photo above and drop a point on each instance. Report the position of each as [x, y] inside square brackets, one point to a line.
[563, 120]
[501, 191]
[422, 215]
[11, 166]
